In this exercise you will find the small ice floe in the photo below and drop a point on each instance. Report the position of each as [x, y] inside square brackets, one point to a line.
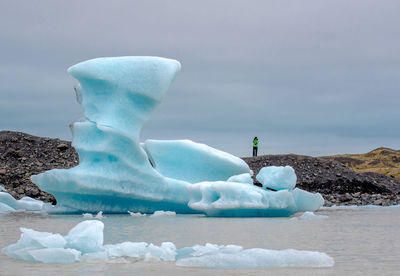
[162, 214]
[99, 215]
[84, 243]
[138, 214]
[9, 204]
[309, 215]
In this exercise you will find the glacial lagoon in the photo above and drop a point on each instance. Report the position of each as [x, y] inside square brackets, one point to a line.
[361, 242]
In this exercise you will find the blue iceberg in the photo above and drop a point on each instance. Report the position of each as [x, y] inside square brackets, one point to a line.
[117, 173]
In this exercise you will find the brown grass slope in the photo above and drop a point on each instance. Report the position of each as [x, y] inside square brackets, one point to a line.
[381, 160]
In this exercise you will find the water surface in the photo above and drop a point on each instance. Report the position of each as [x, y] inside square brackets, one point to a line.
[362, 242]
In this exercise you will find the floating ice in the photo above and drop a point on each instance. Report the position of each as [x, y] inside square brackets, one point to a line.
[162, 214]
[4, 208]
[86, 237]
[310, 215]
[233, 257]
[118, 174]
[133, 214]
[99, 215]
[230, 199]
[277, 178]
[8, 203]
[85, 243]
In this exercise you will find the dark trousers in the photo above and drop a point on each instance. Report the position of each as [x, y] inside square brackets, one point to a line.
[255, 151]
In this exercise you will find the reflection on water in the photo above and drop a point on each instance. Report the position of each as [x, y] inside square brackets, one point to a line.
[361, 242]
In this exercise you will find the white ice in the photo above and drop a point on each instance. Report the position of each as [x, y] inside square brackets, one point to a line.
[162, 214]
[277, 178]
[138, 214]
[309, 215]
[233, 257]
[84, 243]
[9, 203]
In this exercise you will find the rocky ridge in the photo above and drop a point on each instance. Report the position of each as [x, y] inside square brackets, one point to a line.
[22, 155]
[337, 183]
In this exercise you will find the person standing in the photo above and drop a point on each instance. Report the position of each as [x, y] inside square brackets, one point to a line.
[255, 146]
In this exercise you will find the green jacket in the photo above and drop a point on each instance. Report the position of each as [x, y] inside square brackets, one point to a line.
[255, 143]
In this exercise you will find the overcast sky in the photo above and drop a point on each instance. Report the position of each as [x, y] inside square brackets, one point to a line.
[307, 77]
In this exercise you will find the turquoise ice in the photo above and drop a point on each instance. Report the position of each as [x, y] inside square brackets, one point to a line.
[84, 243]
[117, 173]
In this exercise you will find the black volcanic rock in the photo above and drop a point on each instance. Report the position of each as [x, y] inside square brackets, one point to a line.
[22, 155]
[326, 176]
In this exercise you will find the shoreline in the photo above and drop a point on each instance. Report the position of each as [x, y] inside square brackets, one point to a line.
[22, 155]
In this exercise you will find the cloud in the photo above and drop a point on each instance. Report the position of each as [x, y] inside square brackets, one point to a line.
[290, 70]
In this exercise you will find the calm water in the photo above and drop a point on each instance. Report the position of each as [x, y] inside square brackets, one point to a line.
[361, 242]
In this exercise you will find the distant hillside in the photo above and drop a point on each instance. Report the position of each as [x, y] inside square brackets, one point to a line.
[381, 160]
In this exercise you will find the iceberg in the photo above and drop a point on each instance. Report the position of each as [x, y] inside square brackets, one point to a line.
[117, 173]
[84, 243]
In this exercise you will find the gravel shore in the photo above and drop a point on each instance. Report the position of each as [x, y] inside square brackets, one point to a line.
[22, 155]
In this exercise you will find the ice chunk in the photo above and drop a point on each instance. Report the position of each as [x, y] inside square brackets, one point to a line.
[241, 178]
[55, 255]
[51, 248]
[133, 214]
[99, 215]
[87, 215]
[127, 249]
[258, 258]
[165, 252]
[162, 214]
[306, 201]
[25, 203]
[138, 214]
[310, 215]
[86, 236]
[33, 240]
[232, 199]
[277, 178]
[193, 162]
[4, 208]
[42, 239]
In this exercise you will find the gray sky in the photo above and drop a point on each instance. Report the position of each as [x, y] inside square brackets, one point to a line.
[308, 77]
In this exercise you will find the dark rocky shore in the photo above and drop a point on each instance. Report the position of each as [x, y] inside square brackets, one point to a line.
[338, 184]
[22, 155]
